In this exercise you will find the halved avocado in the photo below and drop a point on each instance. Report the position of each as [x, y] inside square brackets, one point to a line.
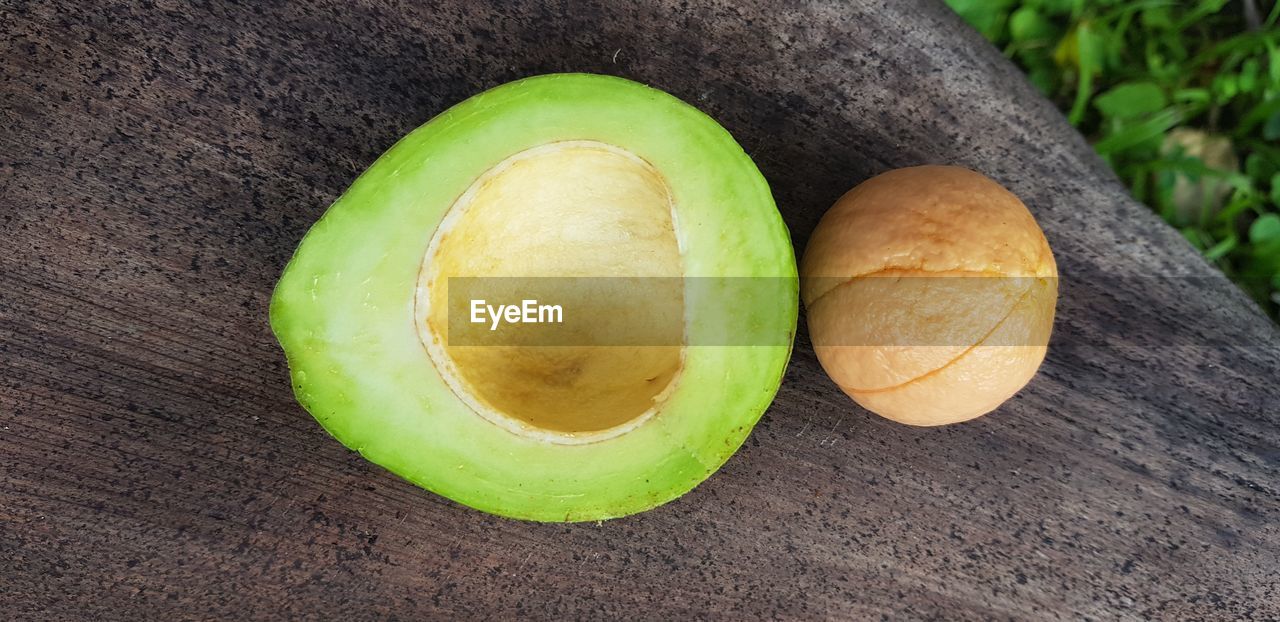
[569, 175]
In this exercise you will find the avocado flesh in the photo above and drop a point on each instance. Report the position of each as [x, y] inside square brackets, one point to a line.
[346, 310]
[564, 209]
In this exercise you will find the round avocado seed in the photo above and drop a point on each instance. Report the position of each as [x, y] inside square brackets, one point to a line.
[930, 294]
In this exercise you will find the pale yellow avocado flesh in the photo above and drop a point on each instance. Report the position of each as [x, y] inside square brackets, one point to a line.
[564, 209]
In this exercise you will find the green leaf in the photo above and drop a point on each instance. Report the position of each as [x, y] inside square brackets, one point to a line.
[1275, 189]
[1133, 135]
[1262, 268]
[1273, 60]
[986, 16]
[1204, 8]
[1027, 24]
[1230, 214]
[1260, 114]
[1225, 86]
[1220, 250]
[1271, 130]
[1259, 166]
[1193, 236]
[1131, 99]
[1249, 76]
[1157, 18]
[1044, 78]
[1265, 230]
[1054, 7]
[1092, 42]
[1089, 51]
[1192, 95]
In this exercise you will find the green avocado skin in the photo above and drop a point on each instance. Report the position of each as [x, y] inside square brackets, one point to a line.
[343, 309]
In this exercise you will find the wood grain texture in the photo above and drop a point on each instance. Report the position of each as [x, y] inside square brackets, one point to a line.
[159, 162]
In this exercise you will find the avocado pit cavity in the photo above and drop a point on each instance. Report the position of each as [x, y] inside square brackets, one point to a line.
[562, 209]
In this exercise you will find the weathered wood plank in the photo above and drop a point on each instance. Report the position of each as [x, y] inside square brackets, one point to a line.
[158, 164]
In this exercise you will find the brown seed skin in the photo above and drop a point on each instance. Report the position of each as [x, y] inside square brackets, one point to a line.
[930, 294]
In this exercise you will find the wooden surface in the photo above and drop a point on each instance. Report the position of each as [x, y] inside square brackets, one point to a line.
[159, 163]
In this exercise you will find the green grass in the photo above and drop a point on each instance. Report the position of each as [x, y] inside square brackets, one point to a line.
[1180, 97]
